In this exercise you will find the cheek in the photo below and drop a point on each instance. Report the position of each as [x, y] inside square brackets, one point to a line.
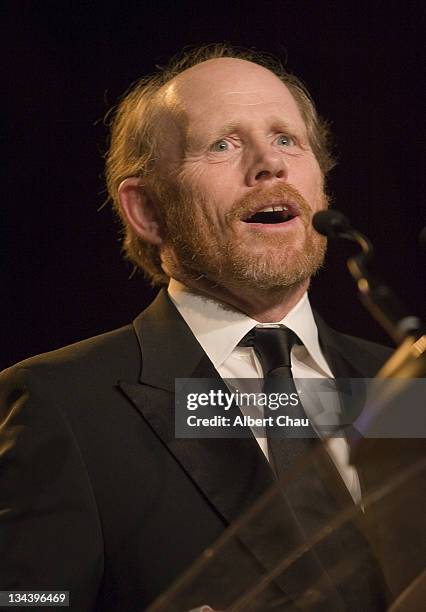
[212, 187]
[309, 180]
[212, 196]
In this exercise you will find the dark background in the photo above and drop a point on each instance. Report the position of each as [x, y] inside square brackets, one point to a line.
[66, 63]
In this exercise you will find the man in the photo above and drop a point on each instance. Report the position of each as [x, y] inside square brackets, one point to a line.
[216, 168]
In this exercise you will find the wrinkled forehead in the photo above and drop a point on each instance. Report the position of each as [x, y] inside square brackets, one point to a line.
[230, 80]
[224, 86]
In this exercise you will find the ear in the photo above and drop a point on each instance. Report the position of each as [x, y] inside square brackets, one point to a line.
[139, 210]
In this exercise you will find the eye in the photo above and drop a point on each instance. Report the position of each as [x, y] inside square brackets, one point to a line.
[285, 140]
[219, 146]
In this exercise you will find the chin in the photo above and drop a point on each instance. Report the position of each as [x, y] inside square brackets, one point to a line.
[274, 271]
[266, 277]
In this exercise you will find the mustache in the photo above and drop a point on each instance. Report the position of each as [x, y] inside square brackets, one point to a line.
[278, 194]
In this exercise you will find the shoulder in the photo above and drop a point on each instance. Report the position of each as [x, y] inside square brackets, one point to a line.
[379, 351]
[106, 356]
[366, 358]
[363, 358]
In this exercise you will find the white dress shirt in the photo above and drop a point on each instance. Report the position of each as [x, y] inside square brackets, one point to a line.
[219, 329]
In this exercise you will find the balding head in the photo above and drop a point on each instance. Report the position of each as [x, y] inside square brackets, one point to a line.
[209, 75]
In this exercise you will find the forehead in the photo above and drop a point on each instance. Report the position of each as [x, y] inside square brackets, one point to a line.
[229, 90]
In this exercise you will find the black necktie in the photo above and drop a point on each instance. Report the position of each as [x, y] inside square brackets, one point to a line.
[273, 347]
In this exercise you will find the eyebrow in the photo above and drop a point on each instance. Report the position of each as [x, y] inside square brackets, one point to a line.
[214, 134]
[235, 126]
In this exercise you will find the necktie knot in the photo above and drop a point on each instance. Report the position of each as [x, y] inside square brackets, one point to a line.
[273, 347]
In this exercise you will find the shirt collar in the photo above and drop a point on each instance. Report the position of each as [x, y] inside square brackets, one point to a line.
[219, 328]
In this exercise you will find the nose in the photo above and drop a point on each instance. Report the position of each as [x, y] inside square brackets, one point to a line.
[266, 164]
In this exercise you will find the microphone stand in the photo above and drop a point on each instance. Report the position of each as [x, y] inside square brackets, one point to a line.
[376, 296]
[406, 330]
[409, 360]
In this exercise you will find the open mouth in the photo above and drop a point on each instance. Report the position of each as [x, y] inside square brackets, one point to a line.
[272, 215]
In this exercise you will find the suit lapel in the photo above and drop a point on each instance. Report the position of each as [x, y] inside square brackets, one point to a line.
[351, 364]
[340, 354]
[169, 351]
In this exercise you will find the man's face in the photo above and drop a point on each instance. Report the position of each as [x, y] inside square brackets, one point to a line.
[236, 150]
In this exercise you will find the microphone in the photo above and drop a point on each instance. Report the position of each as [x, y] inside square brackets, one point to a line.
[331, 223]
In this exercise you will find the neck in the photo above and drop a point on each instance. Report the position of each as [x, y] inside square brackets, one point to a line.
[263, 306]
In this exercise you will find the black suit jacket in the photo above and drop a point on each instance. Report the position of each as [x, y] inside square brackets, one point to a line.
[97, 495]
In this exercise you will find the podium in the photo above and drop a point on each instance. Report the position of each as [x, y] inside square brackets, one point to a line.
[257, 566]
[288, 553]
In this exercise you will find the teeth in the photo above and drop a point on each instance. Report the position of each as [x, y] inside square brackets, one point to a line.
[277, 208]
